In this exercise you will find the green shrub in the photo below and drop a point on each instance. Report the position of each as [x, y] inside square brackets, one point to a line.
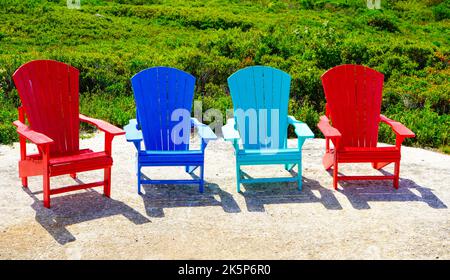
[422, 55]
[8, 113]
[306, 85]
[354, 53]
[382, 22]
[396, 64]
[431, 129]
[115, 110]
[195, 17]
[307, 4]
[442, 11]
[110, 41]
[306, 113]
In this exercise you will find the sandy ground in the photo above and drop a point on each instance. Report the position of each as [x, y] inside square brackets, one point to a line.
[368, 220]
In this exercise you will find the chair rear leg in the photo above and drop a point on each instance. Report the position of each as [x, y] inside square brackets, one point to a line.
[379, 165]
[190, 169]
[107, 185]
[396, 174]
[288, 167]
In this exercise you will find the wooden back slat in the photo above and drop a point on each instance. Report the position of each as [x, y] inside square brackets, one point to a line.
[353, 94]
[158, 92]
[48, 90]
[262, 89]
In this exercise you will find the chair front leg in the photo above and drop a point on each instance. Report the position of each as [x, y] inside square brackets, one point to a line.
[138, 174]
[188, 168]
[335, 171]
[238, 167]
[299, 174]
[396, 174]
[23, 156]
[46, 175]
[23, 145]
[398, 143]
[204, 145]
[238, 177]
[202, 180]
[107, 171]
[301, 141]
[107, 183]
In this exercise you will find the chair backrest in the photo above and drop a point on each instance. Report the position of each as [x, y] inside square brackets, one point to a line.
[48, 90]
[159, 92]
[353, 94]
[260, 97]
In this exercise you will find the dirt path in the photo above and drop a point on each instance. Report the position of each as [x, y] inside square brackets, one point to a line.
[362, 220]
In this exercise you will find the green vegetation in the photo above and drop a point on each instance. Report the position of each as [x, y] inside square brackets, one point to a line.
[109, 41]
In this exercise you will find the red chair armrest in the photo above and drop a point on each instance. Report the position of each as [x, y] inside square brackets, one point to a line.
[397, 127]
[327, 130]
[33, 136]
[102, 125]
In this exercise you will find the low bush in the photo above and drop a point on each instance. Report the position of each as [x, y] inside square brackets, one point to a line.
[110, 41]
[442, 11]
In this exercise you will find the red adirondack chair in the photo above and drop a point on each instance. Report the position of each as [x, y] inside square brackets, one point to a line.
[353, 95]
[49, 93]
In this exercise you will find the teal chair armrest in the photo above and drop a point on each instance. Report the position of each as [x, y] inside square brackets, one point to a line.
[302, 130]
[229, 131]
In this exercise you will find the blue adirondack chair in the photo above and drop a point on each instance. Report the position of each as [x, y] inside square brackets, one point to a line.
[164, 99]
[259, 128]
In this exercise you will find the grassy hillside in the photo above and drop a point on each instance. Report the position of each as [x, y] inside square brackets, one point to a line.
[109, 41]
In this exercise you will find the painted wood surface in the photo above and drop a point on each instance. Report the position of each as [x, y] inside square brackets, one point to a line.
[354, 94]
[260, 88]
[159, 93]
[49, 117]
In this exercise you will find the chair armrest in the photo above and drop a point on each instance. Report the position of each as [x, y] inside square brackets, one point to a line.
[204, 131]
[327, 130]
[229, 131]
[302, 130]
[102, 125]
[132, 133]
[398, 128]
[33, 136]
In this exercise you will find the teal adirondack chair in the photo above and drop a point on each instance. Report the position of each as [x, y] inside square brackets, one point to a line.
[259, 128]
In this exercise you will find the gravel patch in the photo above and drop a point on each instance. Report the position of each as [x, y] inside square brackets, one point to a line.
[367, 219]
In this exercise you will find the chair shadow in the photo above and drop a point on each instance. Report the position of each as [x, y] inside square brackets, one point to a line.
[260, 194]
[160, 196]
[78, 208]
[360, 193]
